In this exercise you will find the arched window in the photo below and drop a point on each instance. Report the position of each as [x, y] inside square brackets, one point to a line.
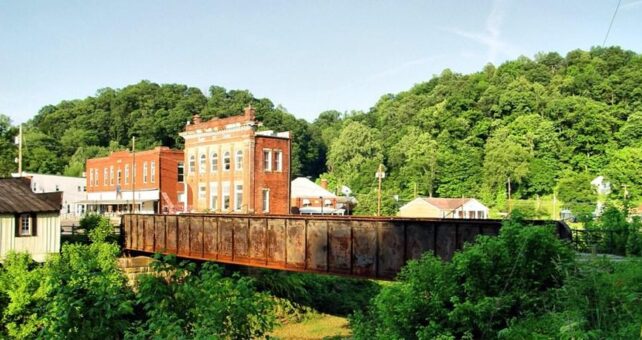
[226, 161]
[214, 162]
[192, 163]
[202, 164]
[126, 173]
[238, 165]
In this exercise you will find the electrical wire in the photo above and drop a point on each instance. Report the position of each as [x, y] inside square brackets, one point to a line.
[611, 24]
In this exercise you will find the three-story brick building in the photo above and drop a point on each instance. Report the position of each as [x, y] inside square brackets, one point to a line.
[233, 168]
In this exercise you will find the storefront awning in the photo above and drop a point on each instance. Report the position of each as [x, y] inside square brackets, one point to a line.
[108, 202]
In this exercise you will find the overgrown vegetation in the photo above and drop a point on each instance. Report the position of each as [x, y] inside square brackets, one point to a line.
[81, 293]
[614, 232]
[525, 283]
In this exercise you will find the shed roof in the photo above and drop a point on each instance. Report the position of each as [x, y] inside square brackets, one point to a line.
[303, 187]
[16, 197]
[446, 203]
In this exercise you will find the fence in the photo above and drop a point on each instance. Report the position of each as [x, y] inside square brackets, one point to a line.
[607, 241]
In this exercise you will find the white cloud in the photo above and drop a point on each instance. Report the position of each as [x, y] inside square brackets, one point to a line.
[631, 5]
[491, 36]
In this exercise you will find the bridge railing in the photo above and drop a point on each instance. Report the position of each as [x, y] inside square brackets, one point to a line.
[357, 246]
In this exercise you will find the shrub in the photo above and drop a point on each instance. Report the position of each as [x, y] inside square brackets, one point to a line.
[481, 291]
[183, 301]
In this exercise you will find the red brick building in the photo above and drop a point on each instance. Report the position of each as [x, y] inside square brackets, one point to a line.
[233, 168]
[152, 180]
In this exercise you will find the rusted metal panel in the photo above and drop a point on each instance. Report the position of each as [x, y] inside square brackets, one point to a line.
[340, 250]
[226, 238]
[127, 224]
[149, 233]
[171, 233]
[446, 242]
[317, 246]
[364, 245]
[241, 239]
[420, 238]
[258, 237]
[183, 235]
[140, 231]
[159, 234]
[210, 237]
[276, 242]
[391, 249]
[295, 244]
[196, 236]
[359, 246]
[466, 234]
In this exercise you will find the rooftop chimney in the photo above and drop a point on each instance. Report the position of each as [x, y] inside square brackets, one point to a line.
[324, 183]
[196, 119]
[249, 112]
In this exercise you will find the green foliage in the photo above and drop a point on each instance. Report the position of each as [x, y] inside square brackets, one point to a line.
[324, 293]
[576, 191]
[8, 150]
[614, 232]
[179, 301]
[601, 300]
[480, 292]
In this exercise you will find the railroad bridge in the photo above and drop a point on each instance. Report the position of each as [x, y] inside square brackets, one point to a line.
[368, 247]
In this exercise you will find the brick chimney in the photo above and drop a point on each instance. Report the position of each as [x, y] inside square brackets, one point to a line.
[249, 112]
[324, 183]
[196, 119]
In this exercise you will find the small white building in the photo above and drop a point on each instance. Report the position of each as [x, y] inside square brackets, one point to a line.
[432, 207]
[29, 222]
[73, 191]
[309, 198]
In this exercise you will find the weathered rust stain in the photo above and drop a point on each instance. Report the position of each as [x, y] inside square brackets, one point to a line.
[357, 246]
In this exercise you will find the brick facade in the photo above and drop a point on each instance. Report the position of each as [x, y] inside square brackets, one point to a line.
[153, 177]
[225, 166]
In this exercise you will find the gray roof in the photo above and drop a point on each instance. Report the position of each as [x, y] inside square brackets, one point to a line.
[16, 197]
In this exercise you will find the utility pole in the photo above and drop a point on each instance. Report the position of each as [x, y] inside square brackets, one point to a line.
[133, 174]
[20, 152]
[554, 204]
[380, 175]
[509, 205]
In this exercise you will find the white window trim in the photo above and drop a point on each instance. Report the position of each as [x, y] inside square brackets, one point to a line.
[278, 159]
[266, 200]
[267, 161]
[152, 171]
[238, 204]
[238, 163]
[29, 225]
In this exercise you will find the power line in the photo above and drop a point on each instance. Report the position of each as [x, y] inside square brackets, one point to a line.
[611, 24]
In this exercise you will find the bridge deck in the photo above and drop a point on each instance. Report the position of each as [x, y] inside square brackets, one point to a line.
[356, 246]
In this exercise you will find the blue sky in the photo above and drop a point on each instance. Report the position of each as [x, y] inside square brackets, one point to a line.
[309, 56]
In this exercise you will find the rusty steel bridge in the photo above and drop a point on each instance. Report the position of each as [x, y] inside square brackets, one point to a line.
[368, 247]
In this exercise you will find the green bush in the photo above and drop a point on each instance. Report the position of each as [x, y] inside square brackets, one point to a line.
[90, 221]
[324, 293]
[480, 292]
[601, 300]
[183, 301]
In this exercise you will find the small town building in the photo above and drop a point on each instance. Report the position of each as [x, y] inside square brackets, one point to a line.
[313, 199]
[150, 181]
[74, 191]
[29, 222]
[231, 167]
[444, 208]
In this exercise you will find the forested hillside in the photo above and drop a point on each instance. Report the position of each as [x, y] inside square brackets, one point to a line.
[543, 124]
[61, 137]
[549, 123]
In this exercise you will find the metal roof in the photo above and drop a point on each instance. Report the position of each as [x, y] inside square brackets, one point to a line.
[305, 188]
[16, 197]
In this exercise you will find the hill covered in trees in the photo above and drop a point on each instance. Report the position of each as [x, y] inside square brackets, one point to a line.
[537, 125]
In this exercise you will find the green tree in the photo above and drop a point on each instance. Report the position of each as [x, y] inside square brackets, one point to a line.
[7, 147]
[506, 161]
[623, 172]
